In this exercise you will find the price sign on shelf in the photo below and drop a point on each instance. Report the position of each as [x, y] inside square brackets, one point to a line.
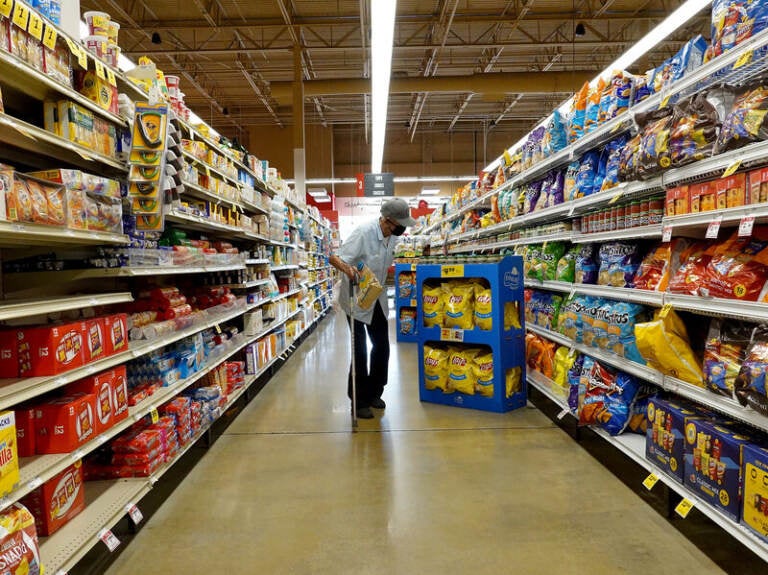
[82, 58]
[651, 481]
[666, 234]
[413, 303]
[6, 7]
[154, 415]
[745, 226]
[714, 228]
[448, 334]
[134, 513]
[684, 508]
[100, 69]
[35, 27]
[743, 60]
[731, 169]
[111, 77]
[49, 37]
[454, 271]
[20, 15]
[109, 539]
[616, 197]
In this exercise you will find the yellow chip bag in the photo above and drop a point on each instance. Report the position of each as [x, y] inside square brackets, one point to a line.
[460, 305]
[511, 316]
[483, 308]
[435, 368]
[433, 304]
[461, 375]
[664, 344]
[484, 373]
[564, 361]
[513, 381]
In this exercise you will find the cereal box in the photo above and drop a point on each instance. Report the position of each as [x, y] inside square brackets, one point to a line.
[754, 512]
[9, 458]
[713, 464]
[665, 437]
[58, 500]
[63, 424]
[758, 186]
[50, 350]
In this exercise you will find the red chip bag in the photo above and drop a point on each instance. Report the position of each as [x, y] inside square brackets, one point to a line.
[690, 277]
[661, 264]
[735, 272]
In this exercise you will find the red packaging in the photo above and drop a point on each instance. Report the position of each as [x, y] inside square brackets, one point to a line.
[669, 209]
[100, 388]
[758, 186]
[731, 192]
[51, 350]
[25, 431]
[9, 353]
[116, 333]
[703, 197]
[57, 501]
[120, 393]
[95, 348]
[63, 424]
[21, 553]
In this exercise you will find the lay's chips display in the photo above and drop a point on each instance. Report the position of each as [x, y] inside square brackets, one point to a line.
[459, 305]
[461, 373]
[433, 305]
[484, 373]
[483, 308]
[435, 368]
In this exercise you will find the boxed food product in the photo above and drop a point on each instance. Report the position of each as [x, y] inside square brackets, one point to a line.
[49, 350]
[713, 464]
[57, 501]
[758, 186]
[100, 387]
[25, 431]
[116, 333]
[754, 512]
[95, 347]
[76, 124]
[9, 353]
[665, 437]
[65, 423]
[702, 197]
[90, 85]
[18, 539]
[678, 201]
[731, 192]
[9, 456]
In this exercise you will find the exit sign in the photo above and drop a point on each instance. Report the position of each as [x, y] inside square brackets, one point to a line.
[379, 185]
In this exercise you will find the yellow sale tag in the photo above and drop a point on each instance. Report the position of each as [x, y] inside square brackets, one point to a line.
[218, 328]
[413, 267]
[665, 310]
[20, 15]
[111, 77]
[665, 101]
[72, 46]
[99, 69]
[684, 508]
[49, 37]
[82, 58]
[6, 7]
[745, 59]
[155, 415]
[730, 170]
[616, 198]
[650, 481]
[455, 271]
[35, 28]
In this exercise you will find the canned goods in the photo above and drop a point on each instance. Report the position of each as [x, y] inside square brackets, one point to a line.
[621, 214]
[612, 219]
[645, 207]
[655, 210]
[634, 215]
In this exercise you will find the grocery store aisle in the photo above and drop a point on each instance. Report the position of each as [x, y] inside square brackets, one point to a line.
[421, 489]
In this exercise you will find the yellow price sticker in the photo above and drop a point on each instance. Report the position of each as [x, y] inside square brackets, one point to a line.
[111, 77]
[72, 46]
[665, 310]
[82, 58]
[684, 508]
[413, 267]
[616, 197]
[665, 101]
[414, 303]
[730, 170]
[218, 328]
[651, 481]
[20, 15]
[454, 271]
[154, 415]
[35, 27]
[6, 7]
[100, 69]
[743, 60]
[49, 37]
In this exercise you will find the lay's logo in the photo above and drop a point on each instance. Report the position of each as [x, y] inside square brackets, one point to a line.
[430, 299]
[456, 299]
[484, 299]
[431, 362]
[458, 360]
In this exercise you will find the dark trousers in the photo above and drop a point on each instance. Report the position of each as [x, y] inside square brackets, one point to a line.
[371, 378]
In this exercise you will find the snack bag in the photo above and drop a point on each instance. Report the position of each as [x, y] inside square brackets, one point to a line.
[571, 319]
[461, 373]
[586, 266]
[724, 353]
[564, 361]
[621, 322]
[574, 378]
[459, 305]
[654, 154]
[407, 321]
[483, 369]
[665, 345]
[433, 302]
[545, 267]
[690, 276]
[511, 316]
[618, 264]
[592, 119]
[513, 381]
[750, 384]
[739, 268]
[578, 114]
[695, 126]
[483, 308]
[569, 182]
[629, 160]
[540, 354]
[612, 154]
[605, 397]
[436, 368]
[638, 416]
[532, 192]
[406, 285]
[18, 538]
[746, 122]
[660, 264]
[585, 179]
[566, 266]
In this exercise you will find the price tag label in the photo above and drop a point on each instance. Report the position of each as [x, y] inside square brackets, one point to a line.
[134, 513]
[448, 334]
[100, 69]
[49, 37]
[665, 101]
[730, 170]
[617, 127]
[20, 15]
[666, 234]
[109, 539]
[413, 267]
[72, 46]
[111, 77]
[218, 328]
[6, 7]
[616, 197]
[35, 27]
[714, 228]
[82, 58]
[562, 414]
[651, 481]
[154, 415]
[454, 271]
[684, 508]
[413, 303]
[665, 310]
[743, 60]
[745, 226]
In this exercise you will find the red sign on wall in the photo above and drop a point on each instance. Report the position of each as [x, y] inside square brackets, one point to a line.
[360, 188]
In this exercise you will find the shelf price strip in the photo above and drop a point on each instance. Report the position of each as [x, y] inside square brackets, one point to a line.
[745, 226]
[134, 513]
[109, 539]
[714, 228]
[49, 37]
[651, 481]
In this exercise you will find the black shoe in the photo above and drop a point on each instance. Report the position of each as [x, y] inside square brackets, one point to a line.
[378, 403]
[364, 413]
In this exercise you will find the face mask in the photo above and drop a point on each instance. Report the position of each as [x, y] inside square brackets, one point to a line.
[398, 231]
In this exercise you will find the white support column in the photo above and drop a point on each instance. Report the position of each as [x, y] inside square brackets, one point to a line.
[70, 17]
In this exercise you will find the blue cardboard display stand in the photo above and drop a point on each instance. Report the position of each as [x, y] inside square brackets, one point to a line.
[505, 279]
[406, 302]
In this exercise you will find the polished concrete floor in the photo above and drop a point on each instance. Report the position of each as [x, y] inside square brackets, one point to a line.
[422, 489]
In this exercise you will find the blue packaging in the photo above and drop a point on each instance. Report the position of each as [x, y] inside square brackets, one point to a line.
[665, 437]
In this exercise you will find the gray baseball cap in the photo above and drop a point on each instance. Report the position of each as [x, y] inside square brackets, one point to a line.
[398, 210]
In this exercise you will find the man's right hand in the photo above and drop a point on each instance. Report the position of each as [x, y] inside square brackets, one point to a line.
[351, 273]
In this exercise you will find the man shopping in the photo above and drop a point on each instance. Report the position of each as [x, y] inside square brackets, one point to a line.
[371, 243]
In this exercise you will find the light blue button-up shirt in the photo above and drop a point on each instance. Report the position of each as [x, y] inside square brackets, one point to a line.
[367, 244]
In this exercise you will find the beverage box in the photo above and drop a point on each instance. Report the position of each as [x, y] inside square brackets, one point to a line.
[665, 436]
[50, 350]
[25, 431]
[9, 457]
[754, 512]
[65, 423]
[57, 501]
[713, 464]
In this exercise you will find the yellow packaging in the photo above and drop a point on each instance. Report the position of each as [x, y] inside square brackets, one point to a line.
[755, 485]
[369, 288]
[564, 361]
[435, 368]
[459, 305]
[511, 316]
[513, 381]
[664, 344]
[483, 308]
[9, 458]
[433, 303]
[461, 374]
[483, 370]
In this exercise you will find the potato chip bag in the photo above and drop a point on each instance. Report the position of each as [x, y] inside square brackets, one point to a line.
[540, 354]
[664, 344]
[483, 308]
[593, 107]
[621, 321]
[660, 264]
[461, 373]
[605, 397]
[407, 321]
[739, 267]
[619, 262]
[566, 267]
[435, 368]
[513, 381]
[511, 315]
[724, 352]
[690, 276]
[459, 305]
[750, 384]
[483, 369]
[578, 114]
[433, 303]
[586, 267]
[564, 361]
[406, 288]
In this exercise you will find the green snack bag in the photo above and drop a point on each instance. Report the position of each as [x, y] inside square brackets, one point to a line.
[566, 267]
[550, 256]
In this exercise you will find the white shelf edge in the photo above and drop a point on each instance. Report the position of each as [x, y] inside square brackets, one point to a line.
[129, 271]
[13, 310]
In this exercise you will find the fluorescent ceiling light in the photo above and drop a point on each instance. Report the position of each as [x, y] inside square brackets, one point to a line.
[315, 192]
[430, 191]
[325, 200]
[382, 35]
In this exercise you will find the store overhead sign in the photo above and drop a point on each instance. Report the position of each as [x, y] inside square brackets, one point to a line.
[379, 185]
